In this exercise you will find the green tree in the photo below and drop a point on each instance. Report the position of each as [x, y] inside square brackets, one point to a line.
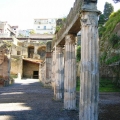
[108, 9]
[101, 19]
[32, 32]
[116, 1]
[78, 53]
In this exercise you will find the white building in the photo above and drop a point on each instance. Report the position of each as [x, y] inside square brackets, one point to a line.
[44, 26]
[6, 30]
[24, 33]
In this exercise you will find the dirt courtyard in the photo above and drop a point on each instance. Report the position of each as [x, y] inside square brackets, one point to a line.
[28, 100]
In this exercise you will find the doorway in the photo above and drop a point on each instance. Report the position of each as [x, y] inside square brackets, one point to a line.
[35, 74]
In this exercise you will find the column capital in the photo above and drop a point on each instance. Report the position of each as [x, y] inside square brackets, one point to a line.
[88, 19]
[59, 49]
[70, 38]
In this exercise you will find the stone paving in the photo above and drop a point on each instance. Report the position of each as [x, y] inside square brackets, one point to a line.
[28, 100]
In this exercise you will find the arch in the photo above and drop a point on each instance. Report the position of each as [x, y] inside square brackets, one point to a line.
[30, 51]
[41, 51]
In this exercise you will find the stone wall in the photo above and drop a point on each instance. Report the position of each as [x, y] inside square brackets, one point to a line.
[29, 68]
[4, 65]
[16, 65]
[110, 71]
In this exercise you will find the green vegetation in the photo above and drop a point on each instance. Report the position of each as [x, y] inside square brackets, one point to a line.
[13, 76]
[78, 53]
[108, 9]
[110, 40]
[114, 41]
[110, 25]
[60, 24]
[105, 85]
[113, 59]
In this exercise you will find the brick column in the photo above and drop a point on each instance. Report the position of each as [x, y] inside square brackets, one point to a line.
[70, 73]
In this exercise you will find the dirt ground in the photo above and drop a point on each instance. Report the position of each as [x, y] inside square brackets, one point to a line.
[28, 100]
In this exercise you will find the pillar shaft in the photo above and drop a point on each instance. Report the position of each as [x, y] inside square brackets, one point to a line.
[70, 73]
[53, 70]
[89, 77]
[59, 75]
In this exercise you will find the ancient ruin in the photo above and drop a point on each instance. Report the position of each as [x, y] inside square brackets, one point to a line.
[58, 68]
[83, 16]
[4, 64]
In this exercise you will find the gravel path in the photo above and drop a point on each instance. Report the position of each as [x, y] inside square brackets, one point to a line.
[28, 100]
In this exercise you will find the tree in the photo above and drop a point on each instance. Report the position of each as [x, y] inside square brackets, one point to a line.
[32, 32]
[78, 53]
[108, 9]
[116, 1]
[101, 19]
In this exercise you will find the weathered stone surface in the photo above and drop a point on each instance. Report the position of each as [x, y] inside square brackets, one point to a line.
[70, 73]
[89, 77]
[59, 76]
[53, 71]
[4, 65]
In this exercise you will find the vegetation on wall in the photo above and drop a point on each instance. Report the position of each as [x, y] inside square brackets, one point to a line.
[78, 53]
[60, 24]
[109, 40]
[114, 40]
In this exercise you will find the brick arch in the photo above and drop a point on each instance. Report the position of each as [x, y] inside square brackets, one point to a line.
[41, 51]
[30, 51]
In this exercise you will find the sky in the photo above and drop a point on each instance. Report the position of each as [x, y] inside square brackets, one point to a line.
[23, 12]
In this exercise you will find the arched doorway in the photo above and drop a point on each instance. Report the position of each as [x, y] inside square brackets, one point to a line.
[30, 51]
[41, 51]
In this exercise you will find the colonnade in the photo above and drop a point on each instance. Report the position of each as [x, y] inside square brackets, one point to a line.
[64, 67]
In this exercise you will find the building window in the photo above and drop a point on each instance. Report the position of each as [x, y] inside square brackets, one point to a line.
[44, 27]
[18, 52]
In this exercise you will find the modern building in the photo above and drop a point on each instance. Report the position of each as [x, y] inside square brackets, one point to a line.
[45, 26]
[6, 30]
[23, 33]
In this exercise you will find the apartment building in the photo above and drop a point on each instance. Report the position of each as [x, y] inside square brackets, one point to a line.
[6, 30]
[45, 26]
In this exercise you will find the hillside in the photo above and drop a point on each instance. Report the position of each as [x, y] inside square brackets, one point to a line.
[110, 40]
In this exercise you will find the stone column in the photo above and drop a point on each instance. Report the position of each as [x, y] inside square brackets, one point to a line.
[59, 77]
[70, 73]
[53, 70]
[89, 77]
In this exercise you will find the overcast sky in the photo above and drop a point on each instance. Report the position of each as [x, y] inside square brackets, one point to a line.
[23, 12]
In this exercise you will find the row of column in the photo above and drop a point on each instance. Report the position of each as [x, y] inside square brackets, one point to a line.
[64, 71]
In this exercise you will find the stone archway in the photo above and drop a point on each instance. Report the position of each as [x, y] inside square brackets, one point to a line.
[30, 51]
[41, 51]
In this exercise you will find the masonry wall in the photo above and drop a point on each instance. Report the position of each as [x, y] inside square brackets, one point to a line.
[16, 65]
[28, 68]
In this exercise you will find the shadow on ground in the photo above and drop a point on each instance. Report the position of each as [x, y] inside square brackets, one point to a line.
[28, 100]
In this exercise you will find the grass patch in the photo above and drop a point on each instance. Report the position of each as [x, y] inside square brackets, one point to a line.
[105, 85]
[13, 76]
